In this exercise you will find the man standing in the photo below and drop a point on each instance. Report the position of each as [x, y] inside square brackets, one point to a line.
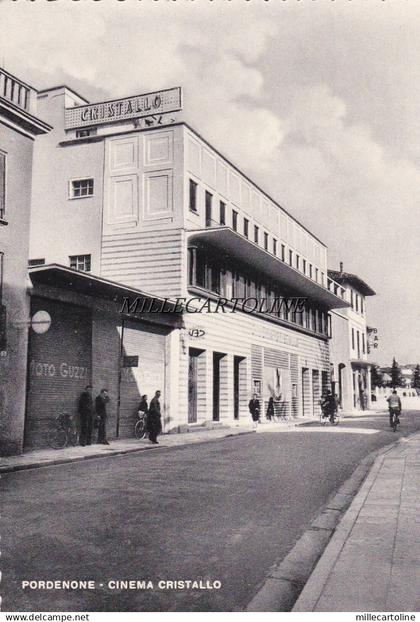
[254, 409]
[154, 423]
[394, 406]
[100, 406]
[85, 408]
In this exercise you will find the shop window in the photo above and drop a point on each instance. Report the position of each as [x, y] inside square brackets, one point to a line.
[329, 326]
[2, 184]
[246, 227]
[200, 270]
[193, 195]
[222, 215]
[81, 188]
[80, 262]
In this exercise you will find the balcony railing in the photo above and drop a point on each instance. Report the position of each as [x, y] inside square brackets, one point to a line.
[17, 92]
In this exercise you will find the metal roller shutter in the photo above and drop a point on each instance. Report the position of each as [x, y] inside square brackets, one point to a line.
[148, 343]
[59, 367]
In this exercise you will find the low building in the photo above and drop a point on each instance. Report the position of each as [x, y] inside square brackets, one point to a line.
[19, 127]
[130, 193]
[350, 368]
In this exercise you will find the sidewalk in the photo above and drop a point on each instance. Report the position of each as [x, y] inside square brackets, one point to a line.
[372, 562]
[48, 457]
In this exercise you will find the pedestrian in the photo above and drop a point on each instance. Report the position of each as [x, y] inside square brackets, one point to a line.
[142, 413]
[363, 400]
[154, 423]
[254, 409]
[100, 406]
[85, 409]
[270, 409]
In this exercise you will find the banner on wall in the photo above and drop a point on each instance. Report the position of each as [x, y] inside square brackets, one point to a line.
[277, 384]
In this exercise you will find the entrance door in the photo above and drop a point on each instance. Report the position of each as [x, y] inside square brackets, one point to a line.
[216, 386]
[306, 392]
[192, 386]
[236, 363]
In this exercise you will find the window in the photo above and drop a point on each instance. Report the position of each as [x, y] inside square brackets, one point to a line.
[193, 195]
[322, 279]
[222, 213]
[256, 232]
[86, 132]
[304, 266]
[80, 188]
[310, 270]
[290, 257]
[209, 200]
[283, 252]
[362, 310]
[297, 262]
[274, 246]
[329, 329]
[357, 303]
[2, 184]
[80, 262]
[36, 262]
[358, 344]
[351, 299]
[265, 241]
[246, 227]
[363, 343]
[352, 338]
[316, 274]
[234, 220]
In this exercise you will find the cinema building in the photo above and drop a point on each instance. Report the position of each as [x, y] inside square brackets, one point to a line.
[128, 193]
[20, 126]
[351, 370]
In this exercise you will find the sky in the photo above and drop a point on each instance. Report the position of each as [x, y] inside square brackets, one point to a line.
[318, 101]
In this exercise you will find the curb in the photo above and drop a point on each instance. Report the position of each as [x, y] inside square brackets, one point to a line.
[115, 452]
[286, 586]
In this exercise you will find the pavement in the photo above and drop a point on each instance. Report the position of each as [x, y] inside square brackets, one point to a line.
[372, 562]
[47, 457]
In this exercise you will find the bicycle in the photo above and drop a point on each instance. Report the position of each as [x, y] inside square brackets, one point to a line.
[140, 426]
[63, 432]
[333, 418]
[395, 419]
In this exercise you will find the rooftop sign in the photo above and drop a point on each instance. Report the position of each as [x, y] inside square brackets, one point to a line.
[160, 102]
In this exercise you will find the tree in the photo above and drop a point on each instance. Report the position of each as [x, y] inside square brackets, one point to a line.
[396, 375]
[376, 376]
[416, 377]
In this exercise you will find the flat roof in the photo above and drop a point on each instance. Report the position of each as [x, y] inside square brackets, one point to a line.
[63, 86]
[353, 279]
[240, 248]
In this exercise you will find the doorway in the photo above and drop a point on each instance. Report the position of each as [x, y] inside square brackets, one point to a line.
[192, 384]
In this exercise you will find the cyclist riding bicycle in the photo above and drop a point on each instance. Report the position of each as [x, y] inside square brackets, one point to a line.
[329, 405]
[394, 406]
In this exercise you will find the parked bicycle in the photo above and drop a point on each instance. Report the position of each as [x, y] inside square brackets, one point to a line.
[62, 432]
[141, 425]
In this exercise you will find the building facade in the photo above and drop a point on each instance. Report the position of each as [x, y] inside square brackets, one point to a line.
[130, 193]
[350, 368]
[19, 127]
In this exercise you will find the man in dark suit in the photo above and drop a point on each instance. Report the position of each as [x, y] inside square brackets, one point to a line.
[154, 423]
[85, 408]
[100, 406]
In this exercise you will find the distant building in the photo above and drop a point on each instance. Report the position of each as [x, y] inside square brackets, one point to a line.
[350, 369]
[19, 126]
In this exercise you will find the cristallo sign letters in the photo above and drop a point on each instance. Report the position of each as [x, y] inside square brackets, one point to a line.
[160, 102]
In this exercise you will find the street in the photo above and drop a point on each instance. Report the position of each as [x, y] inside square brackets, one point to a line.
[219, 511]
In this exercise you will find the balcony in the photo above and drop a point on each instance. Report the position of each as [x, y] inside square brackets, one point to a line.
[239, 248]
[17, 92]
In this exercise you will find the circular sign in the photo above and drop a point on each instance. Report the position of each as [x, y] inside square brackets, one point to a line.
[41, 321]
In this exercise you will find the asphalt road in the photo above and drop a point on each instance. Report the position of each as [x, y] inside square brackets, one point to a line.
[220, 511]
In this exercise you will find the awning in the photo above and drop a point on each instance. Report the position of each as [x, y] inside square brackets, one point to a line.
[359, 363]
[55, 275]
[241, 249]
